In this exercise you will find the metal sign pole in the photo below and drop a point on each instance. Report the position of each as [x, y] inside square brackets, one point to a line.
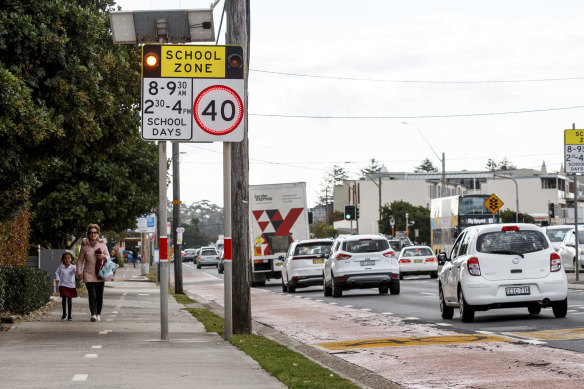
[227, 276]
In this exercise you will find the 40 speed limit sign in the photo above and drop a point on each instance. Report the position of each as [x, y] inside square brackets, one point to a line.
[192, 93]
[218, 111]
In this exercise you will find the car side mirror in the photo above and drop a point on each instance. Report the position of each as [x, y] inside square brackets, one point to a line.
[442, 258]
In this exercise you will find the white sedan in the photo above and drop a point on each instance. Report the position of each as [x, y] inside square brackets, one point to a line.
[502, 266]
[417, 260]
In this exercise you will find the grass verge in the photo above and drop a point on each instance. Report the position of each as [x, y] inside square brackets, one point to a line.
[290, 367]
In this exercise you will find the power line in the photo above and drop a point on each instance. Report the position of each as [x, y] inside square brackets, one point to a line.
[419, 81]
[415, 117]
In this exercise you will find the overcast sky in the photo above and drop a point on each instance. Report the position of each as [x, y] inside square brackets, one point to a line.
[346, 75]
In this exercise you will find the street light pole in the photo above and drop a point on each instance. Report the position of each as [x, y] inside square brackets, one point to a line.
[442, 160]
[516, 194]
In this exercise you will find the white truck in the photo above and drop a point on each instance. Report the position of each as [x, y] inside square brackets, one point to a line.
[278, 215]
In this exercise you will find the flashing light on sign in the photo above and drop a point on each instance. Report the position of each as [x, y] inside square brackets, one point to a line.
[151, 60]
[235, 61]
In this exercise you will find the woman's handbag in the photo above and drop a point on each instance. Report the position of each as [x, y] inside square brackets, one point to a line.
[107, 271]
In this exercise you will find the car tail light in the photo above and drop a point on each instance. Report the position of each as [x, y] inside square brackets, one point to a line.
[555, 262]
[510, 228]
[389, 254]
[341, 256]
[405, 260]
[474, 269]
[431, 260]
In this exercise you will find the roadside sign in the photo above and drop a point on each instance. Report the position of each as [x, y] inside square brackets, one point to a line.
[192, 93]
[493, 203]
[180, 230]
[574, 151]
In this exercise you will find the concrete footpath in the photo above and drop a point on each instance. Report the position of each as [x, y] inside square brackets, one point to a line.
[124, 350]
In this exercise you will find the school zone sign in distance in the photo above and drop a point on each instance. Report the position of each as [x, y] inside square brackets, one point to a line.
[192, 93]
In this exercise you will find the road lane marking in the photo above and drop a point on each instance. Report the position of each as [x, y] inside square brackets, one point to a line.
[79, 377]
[564, 334]
[90, 355]
[415, 341]
[98, 346]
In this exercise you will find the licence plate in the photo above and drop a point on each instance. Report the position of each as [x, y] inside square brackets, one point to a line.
[279, 263]
[367, 263]
[318, 260]
[417, 261]
[517, 290]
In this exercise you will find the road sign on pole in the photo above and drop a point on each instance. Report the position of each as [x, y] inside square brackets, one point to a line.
[192, 93]
[493, 203]
[574, 151]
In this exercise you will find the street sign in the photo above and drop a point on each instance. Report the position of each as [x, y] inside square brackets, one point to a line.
[493, 203]
[574, 151]
[192, 93]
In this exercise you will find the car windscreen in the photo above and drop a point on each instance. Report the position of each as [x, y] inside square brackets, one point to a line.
[511, 242]
[418, 252]
[557, 234]
[319, 248]
[209, 252]
[366, 245]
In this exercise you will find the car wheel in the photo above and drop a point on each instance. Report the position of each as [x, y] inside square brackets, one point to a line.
[466, 311]
[534, 309]
[383, 289]
[560, 308]
[198, 265]
[434, 274]
[445, 311]
[291, 289]
[284, 289]
[337, 291]
[401, 276]
[394, 287]
[328, 291]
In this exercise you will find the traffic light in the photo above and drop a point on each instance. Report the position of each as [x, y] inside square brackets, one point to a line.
[357, 213]
[521, 218]
[552, 210]
[350, 212]
[310, 217]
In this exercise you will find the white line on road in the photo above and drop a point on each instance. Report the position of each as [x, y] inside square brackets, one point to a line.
[444, 324]
[366, 309]
[79, 377]
[104, 332]
[388, 313]
[97, 346]
[90, 355]
[412, 318]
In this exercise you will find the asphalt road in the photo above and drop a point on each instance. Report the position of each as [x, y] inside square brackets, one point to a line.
[418, 303]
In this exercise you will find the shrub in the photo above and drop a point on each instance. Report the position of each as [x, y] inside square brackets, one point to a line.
[24, 289]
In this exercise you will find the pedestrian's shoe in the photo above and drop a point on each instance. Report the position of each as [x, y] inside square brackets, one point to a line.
[93, 318]
[70, 318]
[98, 317]
[63, 317]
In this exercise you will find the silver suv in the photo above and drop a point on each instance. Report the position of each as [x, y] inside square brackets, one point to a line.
[359, 262]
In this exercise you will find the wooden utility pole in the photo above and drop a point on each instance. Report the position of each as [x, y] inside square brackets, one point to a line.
[237, 33]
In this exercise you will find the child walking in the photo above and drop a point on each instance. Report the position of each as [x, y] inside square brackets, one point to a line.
[65, 276]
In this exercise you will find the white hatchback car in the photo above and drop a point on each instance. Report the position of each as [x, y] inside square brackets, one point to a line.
[417, 260]
[502, 266]
[304, 262]
[361, 261]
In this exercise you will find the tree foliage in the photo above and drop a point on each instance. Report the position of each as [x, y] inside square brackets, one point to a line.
[71, 136]
[332, 178]
[426, 166]
[397, 209]
[322, 230]
[504, 164]
[14, 235]
[374, 167]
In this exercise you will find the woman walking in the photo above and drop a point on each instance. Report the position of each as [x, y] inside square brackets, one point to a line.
[92, 249]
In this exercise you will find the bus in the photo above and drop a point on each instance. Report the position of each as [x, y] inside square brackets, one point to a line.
[449, 216]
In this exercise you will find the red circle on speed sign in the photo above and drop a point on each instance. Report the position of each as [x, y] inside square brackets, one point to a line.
[218, 110]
